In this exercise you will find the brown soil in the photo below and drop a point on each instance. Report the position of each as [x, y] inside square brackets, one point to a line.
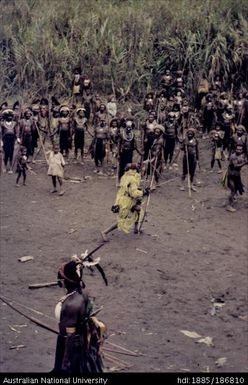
[160, 282]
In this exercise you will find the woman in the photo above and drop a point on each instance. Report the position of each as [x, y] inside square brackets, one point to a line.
[80, 335]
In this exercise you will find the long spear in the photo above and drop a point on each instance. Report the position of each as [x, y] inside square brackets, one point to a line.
[187, 160]
[41, 142]
[50, 329]
[30, 318]
[149, 196]
[98, 266]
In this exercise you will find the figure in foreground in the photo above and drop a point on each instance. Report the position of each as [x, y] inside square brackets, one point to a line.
[80, 334]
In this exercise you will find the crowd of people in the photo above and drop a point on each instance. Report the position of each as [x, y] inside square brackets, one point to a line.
[173, 125]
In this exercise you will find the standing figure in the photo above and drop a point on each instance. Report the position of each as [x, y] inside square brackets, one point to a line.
[98, 145]
[149, 102]
[76, 86]
[239, 139]
[56, 166]
[128, 201]
[161, 100]
[26, 125]
[167, 82]
[79, 125]
[234, 183]
[189, 146]
[86, 83]
[44, 123]
[177, 115]
[36, 116]
[239, 107]
[22, 166]
[202, 91]
[208, 118]
[114, 133]
[217, 136]
[87, 102]
[185, 111]
[65, 131]
[156, 163]
[9, 130]
[80, 335]
[149, 134]
[179, 83]
[111, 108]
[96, 102]
[170, 137]
[227, 120]
[101, 114]
[162, 114]
[126, 146]
[55, 124]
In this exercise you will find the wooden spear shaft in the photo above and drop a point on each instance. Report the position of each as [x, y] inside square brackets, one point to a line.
[188, 176]
[41, 142]
[30, 318]
[149, 196]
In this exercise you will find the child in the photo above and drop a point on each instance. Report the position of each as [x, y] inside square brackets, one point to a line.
[22, 166]
[56, 165]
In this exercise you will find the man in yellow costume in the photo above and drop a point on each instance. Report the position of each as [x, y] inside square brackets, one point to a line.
[128, 201]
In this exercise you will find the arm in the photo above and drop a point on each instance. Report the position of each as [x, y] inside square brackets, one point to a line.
[197, 152]
[134, 192]
[62, 160]
[72, 317]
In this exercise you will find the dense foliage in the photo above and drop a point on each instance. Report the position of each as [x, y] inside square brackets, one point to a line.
[124, 45]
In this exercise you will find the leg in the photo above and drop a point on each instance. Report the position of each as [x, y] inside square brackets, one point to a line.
[172, 147]
[185, 172]
[82, 147]
[136, 227]
[108, 230]
[6, 152]
[54, 184]
[11, 154]
[166, 154]
[192, 173]
[18, 177]
[212, 162]
[192, 168]
[231, 186]
[61, 184]
[75, 153]
[24, 177]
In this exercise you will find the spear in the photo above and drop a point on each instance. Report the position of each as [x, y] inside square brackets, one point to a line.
[149, 196]
[30, 318]
[38, 322]
[41, 142]
[88, 257]
[98, 266]
[188, 176]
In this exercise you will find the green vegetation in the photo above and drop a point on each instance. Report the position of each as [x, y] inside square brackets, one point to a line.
[124, 45]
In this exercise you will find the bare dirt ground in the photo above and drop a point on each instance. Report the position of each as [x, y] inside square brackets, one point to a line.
[160, 282]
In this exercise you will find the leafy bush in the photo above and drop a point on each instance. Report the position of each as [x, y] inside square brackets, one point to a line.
[124, 45]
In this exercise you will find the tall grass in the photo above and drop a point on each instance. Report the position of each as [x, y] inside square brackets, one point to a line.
[124, 45]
